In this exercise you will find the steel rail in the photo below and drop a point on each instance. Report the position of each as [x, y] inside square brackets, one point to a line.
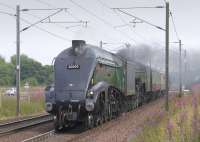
[24, 123]
[41, 137]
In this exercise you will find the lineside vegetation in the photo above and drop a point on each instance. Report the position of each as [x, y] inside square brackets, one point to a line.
[30, 104]
[32, 72]
[180, 124]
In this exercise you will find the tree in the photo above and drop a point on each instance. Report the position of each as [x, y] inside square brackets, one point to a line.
[7, 74]
[31, 69]
[2, 60]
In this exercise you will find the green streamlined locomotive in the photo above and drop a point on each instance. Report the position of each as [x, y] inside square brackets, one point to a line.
[92, 86]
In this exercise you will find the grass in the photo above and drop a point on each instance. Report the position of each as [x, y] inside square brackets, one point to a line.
[180, 124]
[31, 106]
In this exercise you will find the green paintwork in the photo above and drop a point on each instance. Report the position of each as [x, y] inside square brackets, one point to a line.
[112, 75]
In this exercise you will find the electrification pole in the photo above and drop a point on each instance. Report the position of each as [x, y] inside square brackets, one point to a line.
[101, 44]
[150, 65]
[185, 71]
[167, 57]
[180, 69]
[18, 59]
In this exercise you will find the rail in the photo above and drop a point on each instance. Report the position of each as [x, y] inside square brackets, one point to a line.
[16, 125]
[41, 138]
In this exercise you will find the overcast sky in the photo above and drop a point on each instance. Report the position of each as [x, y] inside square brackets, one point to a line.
[102, 22]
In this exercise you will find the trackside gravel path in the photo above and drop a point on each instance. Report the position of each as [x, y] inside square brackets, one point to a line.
[118, 130]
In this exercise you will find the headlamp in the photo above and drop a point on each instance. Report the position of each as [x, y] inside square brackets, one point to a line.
[90, 94]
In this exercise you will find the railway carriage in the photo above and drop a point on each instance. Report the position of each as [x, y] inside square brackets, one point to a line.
[92, 86]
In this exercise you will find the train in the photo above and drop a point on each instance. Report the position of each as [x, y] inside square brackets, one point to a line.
[92, 86]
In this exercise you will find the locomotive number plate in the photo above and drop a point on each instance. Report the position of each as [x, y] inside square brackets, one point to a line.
[72, 66]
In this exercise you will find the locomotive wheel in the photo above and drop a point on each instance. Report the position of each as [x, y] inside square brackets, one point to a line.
[89, 123]
[104, 119]
[58, 121]
[57, 125]
[98, 121]
[109, 112]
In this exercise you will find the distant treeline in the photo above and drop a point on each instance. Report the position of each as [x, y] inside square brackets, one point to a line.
[32, 72]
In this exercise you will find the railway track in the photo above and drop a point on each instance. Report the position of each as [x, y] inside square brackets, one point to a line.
[24, 123]
[74, 134]
[41, 137]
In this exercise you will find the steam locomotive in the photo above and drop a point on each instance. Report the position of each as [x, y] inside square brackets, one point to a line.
[92, 86]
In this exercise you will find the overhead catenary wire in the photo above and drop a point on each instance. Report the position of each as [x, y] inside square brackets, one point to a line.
[130, 7]
[74, 17]
[105, 5]
[105, 22]
[136, 7]
[174, 26]
[121, 18]
[91, 13]
[102, 3]
[37, 27]
[145, 21]
[45, 3]
[6, 13]
[41, 20]
[139, 35]
[94, 15]
[52, 6]
[6, 5]
[37, 17]
[101, 19]
[46, 31]
[49, 5]
[85, 23]
[127, 24]
[45, 9]
[69, 22]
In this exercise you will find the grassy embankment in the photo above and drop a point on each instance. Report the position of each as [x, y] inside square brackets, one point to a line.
[28, 105]
[180, 124]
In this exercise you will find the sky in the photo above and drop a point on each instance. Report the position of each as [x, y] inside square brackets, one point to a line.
[45, 41]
